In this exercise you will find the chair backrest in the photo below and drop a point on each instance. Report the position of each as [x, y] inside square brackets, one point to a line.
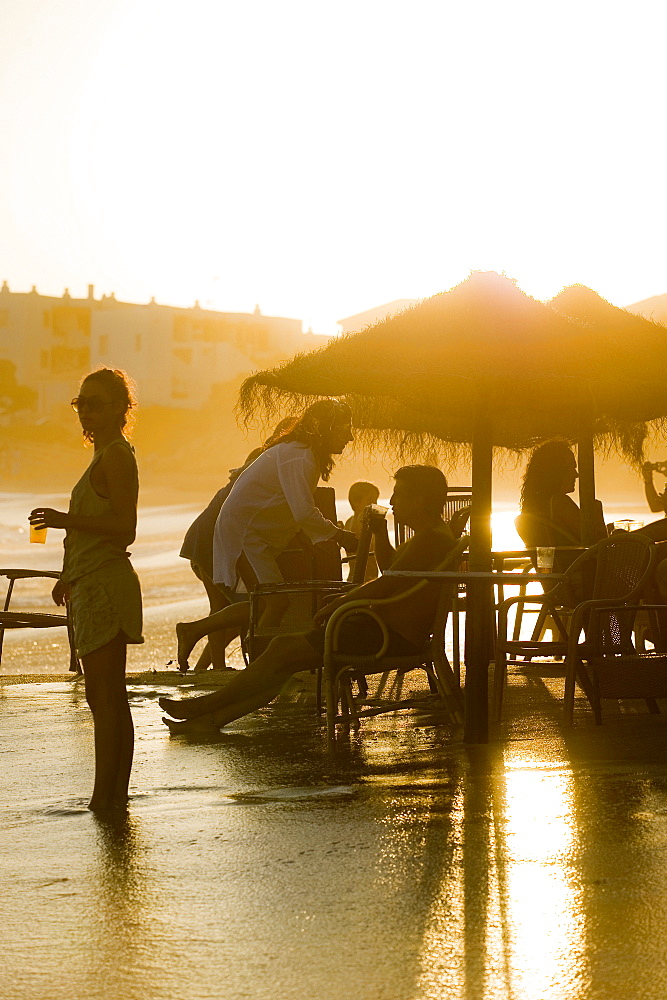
[302, 560]
[458, 498]
[623, 564]
[616, 568]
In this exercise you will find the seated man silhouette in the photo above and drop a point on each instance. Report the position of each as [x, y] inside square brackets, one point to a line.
[418, 499]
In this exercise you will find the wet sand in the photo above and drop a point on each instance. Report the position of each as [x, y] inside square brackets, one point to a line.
[257, 864]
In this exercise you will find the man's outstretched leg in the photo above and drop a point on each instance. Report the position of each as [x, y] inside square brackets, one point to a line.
[251, 688]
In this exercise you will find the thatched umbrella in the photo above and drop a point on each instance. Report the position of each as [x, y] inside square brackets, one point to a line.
[483, 364]
[633, 347]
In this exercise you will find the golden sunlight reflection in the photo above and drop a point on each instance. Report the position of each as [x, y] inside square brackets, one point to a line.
[508, 920]
[505, 535]
[544, 906]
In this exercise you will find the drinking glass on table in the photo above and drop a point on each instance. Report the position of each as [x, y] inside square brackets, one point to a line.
[545, 558]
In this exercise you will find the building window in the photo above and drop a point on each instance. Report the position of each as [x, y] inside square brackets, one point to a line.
[44, 359]
[104, 344]
[183, 354]
[137, 341]
[46, 318]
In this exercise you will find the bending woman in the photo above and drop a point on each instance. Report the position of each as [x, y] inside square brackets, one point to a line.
[98, 581]
[269, 503]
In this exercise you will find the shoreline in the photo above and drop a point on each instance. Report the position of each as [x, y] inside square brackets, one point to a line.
[208, 678]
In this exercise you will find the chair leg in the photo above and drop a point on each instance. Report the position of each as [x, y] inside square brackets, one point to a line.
[318, 694]
[568, 706]
[331, 700]
[347, 696]
[499, 681]
[456, 637]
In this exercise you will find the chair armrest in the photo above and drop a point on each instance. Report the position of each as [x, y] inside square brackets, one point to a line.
[30, 574]
[338, 617]
[505, 605]
[594, 607]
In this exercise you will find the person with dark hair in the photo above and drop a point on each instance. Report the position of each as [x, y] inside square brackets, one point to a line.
[418, 500]
[268, 504]
[549, 479]
[98, 582]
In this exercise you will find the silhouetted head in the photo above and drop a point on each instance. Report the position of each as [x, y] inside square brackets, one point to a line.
[362, 494]
[106, 397]
[326, 427]
[419, 490]
[551, 470]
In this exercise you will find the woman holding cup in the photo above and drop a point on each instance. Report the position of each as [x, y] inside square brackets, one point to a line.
[97, 580]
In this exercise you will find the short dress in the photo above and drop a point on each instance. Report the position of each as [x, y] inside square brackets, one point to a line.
[105, 595]
[268, 504]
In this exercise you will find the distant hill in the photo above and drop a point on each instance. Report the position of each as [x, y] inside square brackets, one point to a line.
[654, 308]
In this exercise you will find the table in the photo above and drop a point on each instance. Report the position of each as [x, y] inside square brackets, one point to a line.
[498, 578]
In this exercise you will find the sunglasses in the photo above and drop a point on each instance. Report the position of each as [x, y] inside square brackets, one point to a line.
[93, 403]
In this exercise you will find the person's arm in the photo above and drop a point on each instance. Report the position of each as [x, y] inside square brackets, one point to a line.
[657, 501]
[119, 470]
[296, 474]
[385, 552]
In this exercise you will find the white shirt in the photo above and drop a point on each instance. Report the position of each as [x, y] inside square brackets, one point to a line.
[270, 501]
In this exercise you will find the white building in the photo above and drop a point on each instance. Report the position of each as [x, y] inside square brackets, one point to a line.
[174, 355]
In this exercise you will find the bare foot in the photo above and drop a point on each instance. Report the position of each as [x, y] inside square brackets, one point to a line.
[202, 724]
[177, 709]
[186, 642]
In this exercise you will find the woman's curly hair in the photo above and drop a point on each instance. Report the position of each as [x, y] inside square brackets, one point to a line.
[121, 388]
[544, 474]
[314, 427]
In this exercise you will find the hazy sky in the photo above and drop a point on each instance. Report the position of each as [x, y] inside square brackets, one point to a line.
[320, 158]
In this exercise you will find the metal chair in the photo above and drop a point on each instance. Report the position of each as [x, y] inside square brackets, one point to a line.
[30, 619]
[340, 668]
[620, 665]
[611, 573]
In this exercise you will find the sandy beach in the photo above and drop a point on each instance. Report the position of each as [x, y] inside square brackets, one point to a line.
[258, 864]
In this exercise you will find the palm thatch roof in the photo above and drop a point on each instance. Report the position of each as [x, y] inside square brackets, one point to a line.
[416, 379]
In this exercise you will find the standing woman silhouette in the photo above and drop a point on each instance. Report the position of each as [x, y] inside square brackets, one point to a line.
[98, 580]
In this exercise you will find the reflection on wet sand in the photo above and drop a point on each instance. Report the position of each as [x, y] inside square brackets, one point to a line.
[404, 865]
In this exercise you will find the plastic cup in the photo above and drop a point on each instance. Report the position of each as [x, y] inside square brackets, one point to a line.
[37, 534]
[545, 559]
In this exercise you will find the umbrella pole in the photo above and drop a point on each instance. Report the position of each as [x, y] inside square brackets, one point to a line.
[480, 592]
[590, 515]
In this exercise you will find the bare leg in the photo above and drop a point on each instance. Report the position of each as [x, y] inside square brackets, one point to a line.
[213, 653]
[106, 694]
[251, 688]
[234, 617]
[204, 661]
